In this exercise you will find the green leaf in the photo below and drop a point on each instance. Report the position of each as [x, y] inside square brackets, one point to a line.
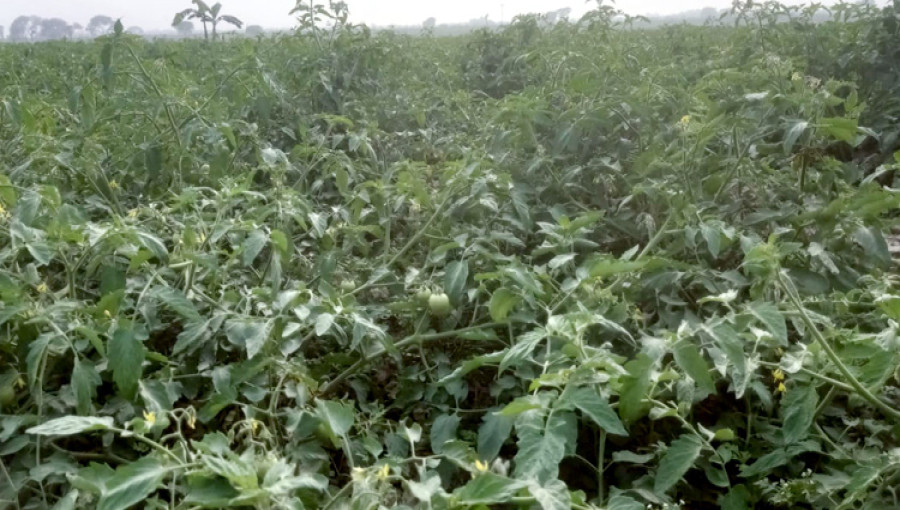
[67, 502]
[252, 246]
[794, 132]
[85, 381]
[41, 252]
[131, 484]
[455, 277]
[211, 492]
[678, 459]
[731, 344]
[778, 457]
[493, 432]
[713, 239]
[768, 314]
[542, 444]
[840, 128]
[552, 495]
[69, 425]
[442, 430]
[766, 463]
[153, 244]
[425, 490]
[586, 400]
[619, 501]
[247, 333]
[323, 323]
[603, 267]
[487, 489]
[519, 406]
[126, 359]
[175, 300]
[738, 498]
[688, 357]
[874, 245]
[338, 416]
[502, 302]
[635, 385]
[798, 409]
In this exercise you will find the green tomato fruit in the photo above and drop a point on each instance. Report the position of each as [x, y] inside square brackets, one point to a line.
[7, 395]
[439, 304]
[423, 296]
[348, 285]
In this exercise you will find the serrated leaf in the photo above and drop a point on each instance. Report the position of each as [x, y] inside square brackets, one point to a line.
[798, 409]
[730, 343]
[793, 134]
[678, 459]
[840, 128]
[620, 501]
[126, 359]
[152, 243]
[247, 333]
[713, 238]
[635, 385]
[425, 490]
[688, 357]
[252, 246]
[69, 425]
[455, 277]
[131, 484]
[502, 302]
[487, 489]
[768, 314]
[493, 432]
[85, 381]
[590, 403]
[552, 495]
[323, 323]
[874, 245]
[542, 444]
[443, 429]
[175, 300]
[560, 260]
[738, 498]
[338, 416]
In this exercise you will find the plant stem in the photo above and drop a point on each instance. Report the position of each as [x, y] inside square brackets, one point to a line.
[832, 355]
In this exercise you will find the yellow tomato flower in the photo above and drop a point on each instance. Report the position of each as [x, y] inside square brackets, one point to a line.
[781, 388]
[384, 472]
[3, 213]
[254, 425]
[685, 121]
[150, 417]
[113, 184]
[192, 421]
[778, 375]
[43, 288]
[133, 213]
[481, 467]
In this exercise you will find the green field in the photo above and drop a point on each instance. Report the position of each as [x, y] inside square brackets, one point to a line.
[556, 265]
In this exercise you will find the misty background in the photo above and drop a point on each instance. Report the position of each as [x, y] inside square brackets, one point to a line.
[156, 17]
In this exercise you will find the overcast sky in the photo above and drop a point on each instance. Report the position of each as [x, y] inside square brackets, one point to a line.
[157, 14]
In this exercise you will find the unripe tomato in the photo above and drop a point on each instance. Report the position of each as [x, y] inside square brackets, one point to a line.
[423, 296]
[7, 395]
[348, 285]
[439, 304]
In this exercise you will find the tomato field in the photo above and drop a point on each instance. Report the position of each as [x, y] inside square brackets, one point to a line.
[579, 264]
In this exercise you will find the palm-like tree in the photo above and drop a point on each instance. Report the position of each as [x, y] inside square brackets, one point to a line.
[206, 14]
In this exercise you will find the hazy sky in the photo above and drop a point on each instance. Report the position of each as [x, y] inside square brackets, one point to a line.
[157, 14]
